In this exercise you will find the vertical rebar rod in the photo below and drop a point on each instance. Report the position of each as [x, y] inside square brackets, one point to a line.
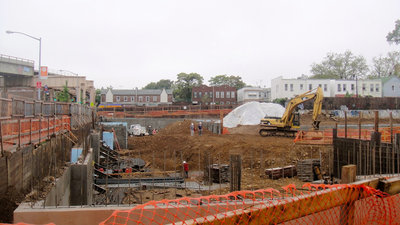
[199, 167]
[164, 173]
[219, 172]
[210, 181]
[1, 139]
[19, 133]
[30, 131]
[175, 174]
[55, 174]
[153, 174]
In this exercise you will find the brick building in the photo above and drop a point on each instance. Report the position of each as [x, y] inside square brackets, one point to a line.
[148, 97]
[222, 95]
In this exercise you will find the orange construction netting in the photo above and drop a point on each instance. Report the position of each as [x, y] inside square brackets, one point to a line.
[313, 204]
[326, 136]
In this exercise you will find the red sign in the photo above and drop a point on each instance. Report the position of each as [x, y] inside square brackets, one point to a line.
[38, 84]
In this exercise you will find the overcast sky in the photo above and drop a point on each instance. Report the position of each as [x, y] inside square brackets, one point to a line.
[127, 44]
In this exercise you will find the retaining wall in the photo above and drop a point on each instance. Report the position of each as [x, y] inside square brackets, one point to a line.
[160, 123]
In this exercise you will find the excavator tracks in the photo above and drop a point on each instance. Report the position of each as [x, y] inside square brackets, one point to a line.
[279, 133]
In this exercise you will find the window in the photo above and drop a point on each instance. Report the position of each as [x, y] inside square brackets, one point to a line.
[286, 86]
[364, 87]
[377, 87]
[147, 98]
[194, 94]
[200, 94]
[217, 94]
[325, 87]
[310, 87]
[228, 94]
[154, 98]
[125, 98]
[222, 94]
[320, 85]
[118, 99]
[301, 86]
[232, 94]
[211, 94]
[352, 87]
[221, 103]
[140, 98]
[371, 87]
[132, 98]
[344, 87]
[291, 87]
[339, 88]
[228, 103]
[392, 87]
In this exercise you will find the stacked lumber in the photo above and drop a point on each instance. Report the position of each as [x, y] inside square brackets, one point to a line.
[305, 169]
[219, 173]
[280, 172]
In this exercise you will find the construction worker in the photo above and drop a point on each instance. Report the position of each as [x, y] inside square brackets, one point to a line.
[191, 129]
[186, 169]
[200, 128]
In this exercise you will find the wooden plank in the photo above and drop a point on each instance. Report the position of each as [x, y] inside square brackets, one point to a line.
[391, 186]
[348, 174]
[3, 175]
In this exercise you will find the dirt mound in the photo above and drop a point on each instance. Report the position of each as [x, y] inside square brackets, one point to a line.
[182, 128]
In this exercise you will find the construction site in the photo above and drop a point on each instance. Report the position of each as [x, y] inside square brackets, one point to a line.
[70, 164]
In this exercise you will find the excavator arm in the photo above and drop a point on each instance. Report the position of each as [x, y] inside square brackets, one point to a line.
[289, 120]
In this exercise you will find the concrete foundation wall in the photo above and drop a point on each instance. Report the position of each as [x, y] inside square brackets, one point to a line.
[160, 123]
[60, 193]
[81, 186]
[64, 216]
[369, 114]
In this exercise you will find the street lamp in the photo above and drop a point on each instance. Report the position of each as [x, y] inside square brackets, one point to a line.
[40, 52]
[78, 93]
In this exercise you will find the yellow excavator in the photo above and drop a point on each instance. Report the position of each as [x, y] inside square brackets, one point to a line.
[286, 125]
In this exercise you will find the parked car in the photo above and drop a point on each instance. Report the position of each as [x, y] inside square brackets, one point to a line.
[137, 130]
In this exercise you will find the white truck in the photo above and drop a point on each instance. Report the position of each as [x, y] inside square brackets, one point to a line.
[137, 130]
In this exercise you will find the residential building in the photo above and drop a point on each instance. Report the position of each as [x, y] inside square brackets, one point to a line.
[222, 95]
[391, 86]
[288, 88]
[248, 94]
[147, 97]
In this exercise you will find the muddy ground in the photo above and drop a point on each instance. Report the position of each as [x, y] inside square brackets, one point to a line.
[167, 149]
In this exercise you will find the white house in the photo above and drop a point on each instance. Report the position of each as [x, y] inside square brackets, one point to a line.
[248, 94]
[391, 86]
[288, 88]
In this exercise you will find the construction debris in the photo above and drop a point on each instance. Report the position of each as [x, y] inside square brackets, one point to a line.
[281, 172]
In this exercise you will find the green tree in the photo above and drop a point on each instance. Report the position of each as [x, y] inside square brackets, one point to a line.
[164, 83]
[394, 36]
[183, 86]
[386, 66]
[63, 96]
[340, 66]
[280, 101]
[233, 81]
[98, 96]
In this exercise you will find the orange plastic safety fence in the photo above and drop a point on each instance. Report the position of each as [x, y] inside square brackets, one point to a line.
[313, 204]
[326, 136]
[18, 133]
